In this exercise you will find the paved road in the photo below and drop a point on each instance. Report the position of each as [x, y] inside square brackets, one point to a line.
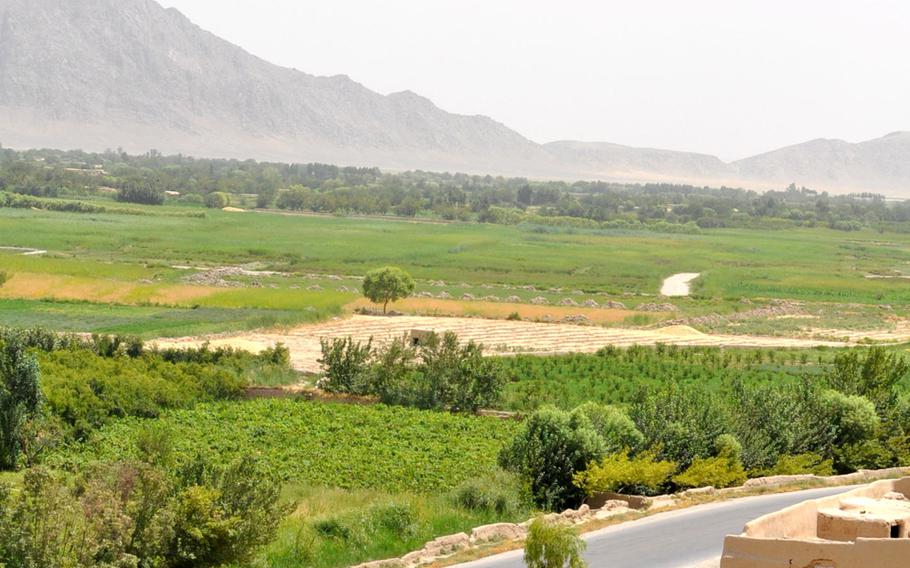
[674, 539]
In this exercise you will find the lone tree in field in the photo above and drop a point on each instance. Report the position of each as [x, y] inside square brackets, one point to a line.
[386, 285]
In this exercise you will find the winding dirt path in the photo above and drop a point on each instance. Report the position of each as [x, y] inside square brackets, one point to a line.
[678, 284]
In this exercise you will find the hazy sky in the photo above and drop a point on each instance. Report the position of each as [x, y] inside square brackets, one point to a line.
[727, 77]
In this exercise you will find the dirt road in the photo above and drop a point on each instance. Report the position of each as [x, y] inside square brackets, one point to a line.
[678, 284]
[501, 337]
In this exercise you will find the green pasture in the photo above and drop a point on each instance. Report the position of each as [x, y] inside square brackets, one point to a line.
[806, 264]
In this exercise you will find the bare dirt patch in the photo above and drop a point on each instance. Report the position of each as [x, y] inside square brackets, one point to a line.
[500, 310]
[678, 284]
[500, 337]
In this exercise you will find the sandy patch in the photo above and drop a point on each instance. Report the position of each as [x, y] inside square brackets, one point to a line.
[24, 251]
[500, 337]
[678, 284]
[498, 310]
[233, 210]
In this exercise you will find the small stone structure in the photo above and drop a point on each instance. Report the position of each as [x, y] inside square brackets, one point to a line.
[864, 528]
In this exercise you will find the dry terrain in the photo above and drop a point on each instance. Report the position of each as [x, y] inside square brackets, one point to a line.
[502, 337]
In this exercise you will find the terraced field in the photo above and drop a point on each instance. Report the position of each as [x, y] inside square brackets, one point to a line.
[500, 337]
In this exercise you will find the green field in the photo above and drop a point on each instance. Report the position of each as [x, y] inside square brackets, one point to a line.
[811, 264]
[336, 445]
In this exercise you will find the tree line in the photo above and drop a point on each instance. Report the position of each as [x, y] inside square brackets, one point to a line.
[333, 189]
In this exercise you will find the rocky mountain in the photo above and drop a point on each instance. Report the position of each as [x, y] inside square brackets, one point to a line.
[882, 164]
[99, 74]
[105, 73]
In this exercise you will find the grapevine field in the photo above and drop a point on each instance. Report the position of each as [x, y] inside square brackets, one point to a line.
[332, 445]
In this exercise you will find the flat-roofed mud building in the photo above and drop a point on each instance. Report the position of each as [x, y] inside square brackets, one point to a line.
[868, 527]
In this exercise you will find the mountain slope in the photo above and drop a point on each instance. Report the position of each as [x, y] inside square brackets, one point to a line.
[882, 164]
[614, 161]
[103, 73]
[98, 74]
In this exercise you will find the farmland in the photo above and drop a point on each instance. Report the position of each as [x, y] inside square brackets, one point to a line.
[767, 320]
[102, 270]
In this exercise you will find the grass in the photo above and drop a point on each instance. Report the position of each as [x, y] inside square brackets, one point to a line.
[147, 321]
[809, 264]
[301, 543]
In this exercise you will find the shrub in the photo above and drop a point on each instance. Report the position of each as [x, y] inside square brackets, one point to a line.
[346, 363]
[683, 421]
[853, 416]
[86, 390]
[20, 397]
[217, 200]
[500, 493]
[140, 191]
[720, 471]
[620, 472]
[548, 451]
[397, 518]
[553, 545]
[801, 464]
[457, 377]
[613, 425]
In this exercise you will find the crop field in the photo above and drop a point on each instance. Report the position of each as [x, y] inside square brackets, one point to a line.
[618, 376]
[319, 444]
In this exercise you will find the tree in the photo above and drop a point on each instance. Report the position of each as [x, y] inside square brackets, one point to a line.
[553, 545]
[346, 363]
[217, 200]
[552, 446]
[386, 285]
[20, 398]
[458, 377]
[613, 425]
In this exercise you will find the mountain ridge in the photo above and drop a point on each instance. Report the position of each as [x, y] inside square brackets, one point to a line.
[98, 74]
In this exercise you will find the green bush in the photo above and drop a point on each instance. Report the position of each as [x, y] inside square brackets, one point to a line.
[217, 200]
[853, 416]
[553, 545]
[799, 465]
[641, 474]
[346, 363]
[719, 472]
[613, 425]
[500, 493]
[124, 515]
[20, 399]
[86, 390]
[551, 447]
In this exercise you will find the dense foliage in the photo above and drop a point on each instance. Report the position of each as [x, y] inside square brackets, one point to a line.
[682, 433]
[616, 376]
[333, 445]
[139, 515]
[440, 374]
[332, 189]
[20, 397]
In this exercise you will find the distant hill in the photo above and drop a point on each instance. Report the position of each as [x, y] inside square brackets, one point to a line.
[882, 164]
[98, 74]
